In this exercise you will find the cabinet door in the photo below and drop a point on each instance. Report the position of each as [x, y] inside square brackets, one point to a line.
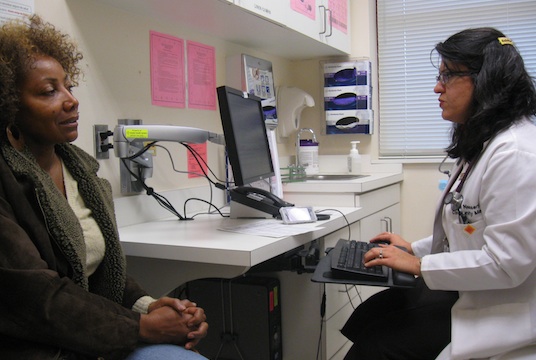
[273, 10]
[305, 17]
[387, 219]
[324, 20]
[336, 23]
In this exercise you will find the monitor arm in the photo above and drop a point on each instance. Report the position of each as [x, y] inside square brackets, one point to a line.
[127, 135]
[129, 140]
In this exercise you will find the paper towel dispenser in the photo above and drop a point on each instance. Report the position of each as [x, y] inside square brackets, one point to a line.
[290, 103]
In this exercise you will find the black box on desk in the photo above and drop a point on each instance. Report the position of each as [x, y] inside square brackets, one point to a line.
[244, 317]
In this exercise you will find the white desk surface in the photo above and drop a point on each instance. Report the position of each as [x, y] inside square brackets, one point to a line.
[164, 254]
[200, 240]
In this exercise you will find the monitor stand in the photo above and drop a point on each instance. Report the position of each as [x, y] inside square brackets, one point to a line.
[241, 211]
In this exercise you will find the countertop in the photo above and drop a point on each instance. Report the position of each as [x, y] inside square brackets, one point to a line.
[378, 175]
[370, 182]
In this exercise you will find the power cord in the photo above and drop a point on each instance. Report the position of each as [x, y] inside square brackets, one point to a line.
[344, 217]
[160, 199]
[322, 315]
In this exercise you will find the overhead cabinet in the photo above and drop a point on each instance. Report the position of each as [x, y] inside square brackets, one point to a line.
[324, 21]
[272, 26]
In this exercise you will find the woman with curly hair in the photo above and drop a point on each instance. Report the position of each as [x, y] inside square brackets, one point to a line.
[476, 297]
[65, 291]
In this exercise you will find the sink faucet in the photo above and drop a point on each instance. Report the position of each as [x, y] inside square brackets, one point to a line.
[298, 135]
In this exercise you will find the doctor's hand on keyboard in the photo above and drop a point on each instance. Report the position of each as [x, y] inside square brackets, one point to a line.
[394, 252]
[348, 262]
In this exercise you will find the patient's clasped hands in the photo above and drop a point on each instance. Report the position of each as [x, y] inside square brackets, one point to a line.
[171, 320]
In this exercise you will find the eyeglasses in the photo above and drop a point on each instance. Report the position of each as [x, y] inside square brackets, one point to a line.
[444, 77]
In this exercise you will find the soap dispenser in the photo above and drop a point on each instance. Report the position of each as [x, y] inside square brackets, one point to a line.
[354, 159]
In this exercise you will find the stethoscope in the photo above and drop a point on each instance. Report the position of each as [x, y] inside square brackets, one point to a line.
[455, 198]
[440, 167]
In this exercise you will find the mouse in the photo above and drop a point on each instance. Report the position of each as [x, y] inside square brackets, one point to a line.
[322, 216]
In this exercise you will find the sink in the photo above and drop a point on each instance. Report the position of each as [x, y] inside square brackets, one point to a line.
[333, 177]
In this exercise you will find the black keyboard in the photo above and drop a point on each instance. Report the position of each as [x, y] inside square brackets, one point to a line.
[347, 261]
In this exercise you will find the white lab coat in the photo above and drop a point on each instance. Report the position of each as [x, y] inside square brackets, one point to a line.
[492, 257]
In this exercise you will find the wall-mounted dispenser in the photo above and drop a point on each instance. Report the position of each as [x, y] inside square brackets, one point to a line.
[290, 103]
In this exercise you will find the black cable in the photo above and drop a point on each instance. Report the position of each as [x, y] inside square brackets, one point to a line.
[322, 315]
[161, 200]
[141, 151]
[198, 158]
[345, 219]
[208, 202]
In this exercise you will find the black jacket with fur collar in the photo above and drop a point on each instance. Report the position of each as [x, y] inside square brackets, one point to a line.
[47, 303]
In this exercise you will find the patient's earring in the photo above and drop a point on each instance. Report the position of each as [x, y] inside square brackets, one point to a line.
[13, 131]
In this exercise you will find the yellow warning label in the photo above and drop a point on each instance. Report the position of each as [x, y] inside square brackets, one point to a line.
[136, 133]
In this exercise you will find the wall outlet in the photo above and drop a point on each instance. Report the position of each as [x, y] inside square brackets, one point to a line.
[102, 144]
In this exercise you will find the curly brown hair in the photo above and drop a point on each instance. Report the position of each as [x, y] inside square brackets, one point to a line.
[21, 42]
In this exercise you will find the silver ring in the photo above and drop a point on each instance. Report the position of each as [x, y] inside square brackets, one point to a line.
[381, 253]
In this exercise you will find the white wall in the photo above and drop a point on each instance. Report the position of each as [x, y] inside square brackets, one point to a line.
[117, 82]
[117, 86]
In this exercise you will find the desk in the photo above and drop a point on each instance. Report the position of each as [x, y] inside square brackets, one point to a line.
[164, 254]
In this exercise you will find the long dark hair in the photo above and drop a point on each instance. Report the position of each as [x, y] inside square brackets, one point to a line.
[504, 92]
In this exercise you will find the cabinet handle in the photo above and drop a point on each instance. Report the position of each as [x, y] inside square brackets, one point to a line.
[322, 8]
[330, 23]
[388, 223]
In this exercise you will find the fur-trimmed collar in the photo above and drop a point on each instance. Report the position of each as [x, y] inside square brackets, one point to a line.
[63, 226]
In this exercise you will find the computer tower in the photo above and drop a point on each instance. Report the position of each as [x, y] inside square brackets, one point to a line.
[244, 317]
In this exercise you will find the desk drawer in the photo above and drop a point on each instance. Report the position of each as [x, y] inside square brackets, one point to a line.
[338, 295]
[334, 339]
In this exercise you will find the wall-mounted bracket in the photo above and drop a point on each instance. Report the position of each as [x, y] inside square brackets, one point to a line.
[129, 184]
[102, 144]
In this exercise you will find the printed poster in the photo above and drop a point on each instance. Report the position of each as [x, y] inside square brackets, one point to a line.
[339, 14]
[201, 76]
[194, 168]
[15, 9]
[304, 7]
[167, 70]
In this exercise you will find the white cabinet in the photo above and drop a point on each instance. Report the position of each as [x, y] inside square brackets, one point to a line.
[271, 10]
[385, 220]
[266, 25]
[327, 23]
[381, 213]
[335, 22]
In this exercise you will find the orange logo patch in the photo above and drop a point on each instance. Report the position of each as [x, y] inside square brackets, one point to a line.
[470, 229]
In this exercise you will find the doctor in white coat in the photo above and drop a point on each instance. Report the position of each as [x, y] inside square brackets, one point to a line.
[484, 240]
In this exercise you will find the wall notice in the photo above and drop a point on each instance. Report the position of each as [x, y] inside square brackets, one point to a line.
[15, 9]
[167, 70]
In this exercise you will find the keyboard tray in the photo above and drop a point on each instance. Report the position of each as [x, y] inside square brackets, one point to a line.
[324, 274]
[351, 266]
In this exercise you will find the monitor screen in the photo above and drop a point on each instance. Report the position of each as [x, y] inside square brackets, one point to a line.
[245, 135]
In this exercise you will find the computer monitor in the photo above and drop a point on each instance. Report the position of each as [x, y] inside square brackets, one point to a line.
[244, 129]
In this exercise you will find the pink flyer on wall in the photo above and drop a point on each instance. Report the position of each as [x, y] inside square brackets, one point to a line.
[305, 7]
[339, 14]
[167, 70]
[201, 76]
[195, 168]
